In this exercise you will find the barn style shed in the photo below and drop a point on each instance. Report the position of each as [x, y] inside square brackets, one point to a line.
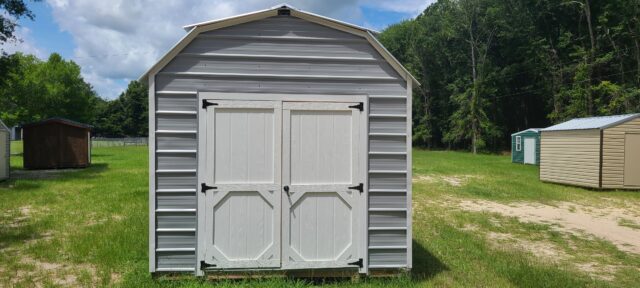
[5, 151]
[280, 141]
[56, 143]
[596, 152]
[525, 146]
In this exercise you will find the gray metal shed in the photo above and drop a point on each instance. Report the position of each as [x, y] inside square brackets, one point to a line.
[281, 140]
[5, 151]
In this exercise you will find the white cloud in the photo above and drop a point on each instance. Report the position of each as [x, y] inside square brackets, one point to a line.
[120, 39]
[24, 43]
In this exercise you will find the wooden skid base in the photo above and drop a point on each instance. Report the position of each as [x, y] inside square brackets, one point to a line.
[304, 273]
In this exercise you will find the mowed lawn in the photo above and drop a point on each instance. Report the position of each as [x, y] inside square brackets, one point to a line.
[90, 228]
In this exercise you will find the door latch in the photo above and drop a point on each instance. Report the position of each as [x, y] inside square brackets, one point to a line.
[359, 187]
[204, 187]
[286, 189]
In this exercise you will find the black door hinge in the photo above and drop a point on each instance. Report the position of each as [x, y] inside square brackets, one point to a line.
[205, 265]
[359, 187]
[204, 187]
[359, 106]
[359, 263]
[206, 104]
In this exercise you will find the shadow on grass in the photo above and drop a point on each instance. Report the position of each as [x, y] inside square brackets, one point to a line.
[18, 230]
[26, 180]
[425, 264]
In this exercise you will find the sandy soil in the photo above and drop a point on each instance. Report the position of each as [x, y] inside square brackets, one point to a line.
[602, 223]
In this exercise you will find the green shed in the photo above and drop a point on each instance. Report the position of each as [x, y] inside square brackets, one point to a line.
[525, 146]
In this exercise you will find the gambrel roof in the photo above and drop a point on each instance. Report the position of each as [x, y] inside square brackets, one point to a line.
[284, 9]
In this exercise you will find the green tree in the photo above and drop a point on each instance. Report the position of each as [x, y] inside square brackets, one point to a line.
[34, 90]
[126, 115]
[10, 12]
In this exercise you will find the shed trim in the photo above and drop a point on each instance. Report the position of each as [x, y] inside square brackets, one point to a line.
[196, 29]
[535, 130]
[60, 121]
[601, 158]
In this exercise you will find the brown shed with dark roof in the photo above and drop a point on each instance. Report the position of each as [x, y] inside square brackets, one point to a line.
[56, 143]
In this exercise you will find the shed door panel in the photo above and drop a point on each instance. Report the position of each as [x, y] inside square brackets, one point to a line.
[320, 163]
[632, 160]
[529, 151]
[243, 163]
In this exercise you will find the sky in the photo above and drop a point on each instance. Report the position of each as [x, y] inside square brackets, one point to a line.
[116, 41]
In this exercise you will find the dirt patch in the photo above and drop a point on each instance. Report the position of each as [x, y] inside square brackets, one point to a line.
[601, 271]
[602, 223]
[451, 180]
[57, 273]
[542, 249]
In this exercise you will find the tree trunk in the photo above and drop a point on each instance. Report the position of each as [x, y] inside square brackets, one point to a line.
[474, 94]
[587, 12]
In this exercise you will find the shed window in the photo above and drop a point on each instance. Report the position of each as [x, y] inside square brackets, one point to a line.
[518, 143]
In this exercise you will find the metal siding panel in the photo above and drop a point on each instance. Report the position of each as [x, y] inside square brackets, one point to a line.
[387, 238]
[168, 260]
[176, 161]
[207, 64]
[395, 257]
[279, 47]
[388, 125]
[176, 240]
[388, 200]
[180, 83]
[176, 122]
[387, 181]
[388, 162]
[393, 106]
[179, 102]
[387, 144]
[176, 142]
[176, 181]
[176, 200]
[281, 26]
[176, 220]
[289, 27]
[395, 219]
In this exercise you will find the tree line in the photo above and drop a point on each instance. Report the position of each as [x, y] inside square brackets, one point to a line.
[32, 90]
[489, 68]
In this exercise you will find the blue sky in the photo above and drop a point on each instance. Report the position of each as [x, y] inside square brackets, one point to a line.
[116, 41]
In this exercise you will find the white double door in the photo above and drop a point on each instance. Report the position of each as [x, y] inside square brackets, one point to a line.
[280, 183]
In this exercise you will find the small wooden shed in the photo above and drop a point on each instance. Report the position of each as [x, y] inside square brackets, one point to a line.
[56, 143]
[525, 146]
[5, 151]
[596, 152]
[279, 140]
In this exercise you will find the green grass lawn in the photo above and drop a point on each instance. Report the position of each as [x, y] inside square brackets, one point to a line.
[90, 228]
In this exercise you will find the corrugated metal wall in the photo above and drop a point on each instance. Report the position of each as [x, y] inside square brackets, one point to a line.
[613, 158]
[570, 157]
[254, 57]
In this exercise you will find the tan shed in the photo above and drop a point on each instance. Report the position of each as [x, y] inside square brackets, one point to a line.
[596, 152]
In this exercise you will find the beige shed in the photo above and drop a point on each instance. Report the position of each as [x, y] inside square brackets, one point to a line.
[595, 152]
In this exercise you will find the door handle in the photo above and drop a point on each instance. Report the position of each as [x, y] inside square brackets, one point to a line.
[286, 189]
